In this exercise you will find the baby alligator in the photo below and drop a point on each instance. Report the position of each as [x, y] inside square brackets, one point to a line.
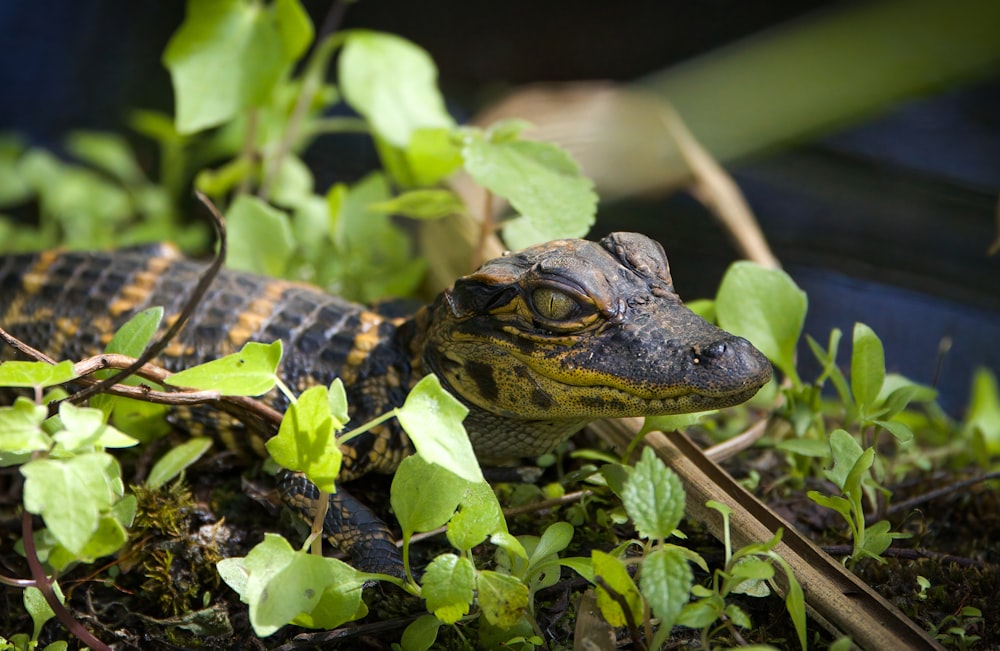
[536, 344]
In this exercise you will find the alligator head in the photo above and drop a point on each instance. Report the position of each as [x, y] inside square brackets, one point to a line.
[540, 342]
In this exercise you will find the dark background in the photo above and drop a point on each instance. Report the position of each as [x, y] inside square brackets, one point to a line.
[886, 221]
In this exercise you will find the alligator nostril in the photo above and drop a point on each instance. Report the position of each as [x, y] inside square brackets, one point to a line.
[713, 350]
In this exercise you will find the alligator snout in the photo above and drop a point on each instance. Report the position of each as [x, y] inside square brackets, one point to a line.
[729, 364]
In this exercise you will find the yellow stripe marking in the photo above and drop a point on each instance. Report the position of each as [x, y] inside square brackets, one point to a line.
[143, 282]
[365, 340]
[34, 280]
[250, 320]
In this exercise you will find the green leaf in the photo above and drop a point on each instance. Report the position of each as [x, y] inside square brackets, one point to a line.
[337, 203]
[282, 586]
[234, 572]
[108, 538]
[867, 367]
[35, 374]
[805, 447]
[432, 418]
[14, 190]
[752, 568]
[306, 440]
[479, 516]
[544, 574]
[309, 226]
[124, 510]
[502, 598]
[93, 479]
[372, 257]
[21, 426]
[417, 508]
[392, 83]
[555, 539]
[581, 565]
[260, 237]
[833, 502]
[723, 509]
[654, 497]
[448, 586]
[158, 127]
[422, 204]
[250, 372]
[750, 576]
[898, 392]
[341, 599]
[616, 576]
[507, 130]
[842, 644]
[134, 336]
[294, 27]
[217, 182]
[666, 583]
[420, 634]
[703, 307]
[226, 57]
[510, 544]
[176, 460]
[616, 474]
[983, 413]
[766, 307]
[900, 431]
[739, 617]
[85, 428]
[538, 567]
[338, 403]
[795, 603]
[701, 613]
[846, 452]
[86, 205]
[852, 485]
[50, 551]
[541, 182]
[672, 422]
[828, 359]
[294, 185]
[878, 539]
[431, 156]
[109, 152]
[38, 608]
[142, 420]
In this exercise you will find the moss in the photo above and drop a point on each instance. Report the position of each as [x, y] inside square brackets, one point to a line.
[176, 553]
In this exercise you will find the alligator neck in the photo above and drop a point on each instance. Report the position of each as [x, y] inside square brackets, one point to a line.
[495, 437]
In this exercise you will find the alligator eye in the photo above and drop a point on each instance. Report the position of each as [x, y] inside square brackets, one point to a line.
[553, 305]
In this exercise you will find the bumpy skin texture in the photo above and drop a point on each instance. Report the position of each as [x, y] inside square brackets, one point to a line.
[536, 344]
[539, 366]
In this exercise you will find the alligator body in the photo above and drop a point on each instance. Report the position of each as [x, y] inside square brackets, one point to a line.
[536, 344]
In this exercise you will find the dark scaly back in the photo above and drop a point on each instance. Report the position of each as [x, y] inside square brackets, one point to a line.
[68, 304]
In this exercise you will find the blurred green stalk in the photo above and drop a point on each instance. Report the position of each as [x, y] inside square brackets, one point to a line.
[830, 68]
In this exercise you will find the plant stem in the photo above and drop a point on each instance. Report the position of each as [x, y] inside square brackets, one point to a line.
[336, 125]
[486, 229]
[315, 540]
[287, 392]
[619, 599]
[406, 559]
[312, 80]
[44, 585]
[358, 431]
[249, 151]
